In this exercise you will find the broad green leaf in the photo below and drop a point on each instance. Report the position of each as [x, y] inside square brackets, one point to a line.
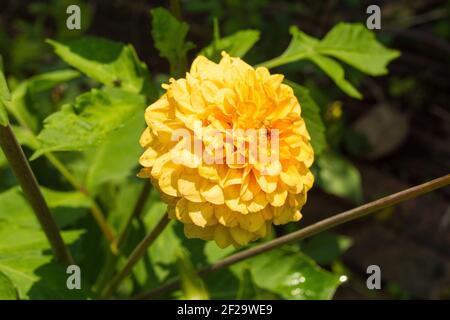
[108, 162]
[111, 63]
[25, 257]
[326, 247]
[350, 43]
[91, 119]
[292, 275]
[7, 289]
[169, 38]
[224, 284]
[336, 175]
[15, 208]
[48, 80]
[247, 289]
[303, 46]
[68, 199]
[192, 286]
[27, 104]
[357, 46]
[236, 45]
[336, 72]
[4, 96]
[312, 117]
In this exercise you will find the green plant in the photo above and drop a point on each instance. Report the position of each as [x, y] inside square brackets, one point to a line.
[129, 248]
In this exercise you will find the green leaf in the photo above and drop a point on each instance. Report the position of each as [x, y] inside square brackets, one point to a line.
[67, 199]
[236, 45]
[292, 275]
[25, 257]
[93, 117]
[326, 247]
[4, 96]
[312, 117]
[350, 43]
[336, 72]
[357, 46]
[111, 63]
[48, 80]
[301, 47]
[7, 289]
[192, 286]
[15, 208]
[336, 175]
[26, 101]
[169, 38]
[108, 162]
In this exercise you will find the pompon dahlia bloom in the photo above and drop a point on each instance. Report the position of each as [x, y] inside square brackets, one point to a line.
[228, 192]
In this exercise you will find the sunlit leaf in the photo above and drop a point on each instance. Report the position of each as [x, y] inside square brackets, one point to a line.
[7, 289]
[93, 117]
[111, 63]
[15, 208]
[357, 46]
[192, 285]
[312, 117]
[336, 72]
[292, 275]
[350, 43]
[108, 162]
[338, 176]
[26, 100]
[169, 38]
[236, 45]
[26, 258]
[326, 247]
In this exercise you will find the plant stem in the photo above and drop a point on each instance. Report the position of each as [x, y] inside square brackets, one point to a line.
[309, 231]
[30, 187]
[137, 211]
[112, 259]
[178, 68]
[137, 254]
[175, 8]
[95, 209]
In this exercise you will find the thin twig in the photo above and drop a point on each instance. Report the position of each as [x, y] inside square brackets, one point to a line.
[137, 211]
[25, 176]
[309, 231]
[112, 259]
[137, 254]
[95, 209]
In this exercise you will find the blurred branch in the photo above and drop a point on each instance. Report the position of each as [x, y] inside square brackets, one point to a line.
[309, 231]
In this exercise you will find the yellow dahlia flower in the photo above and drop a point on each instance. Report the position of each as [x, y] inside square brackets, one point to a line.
[229, 191]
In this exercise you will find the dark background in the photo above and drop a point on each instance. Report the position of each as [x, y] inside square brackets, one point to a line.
[406, 112]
